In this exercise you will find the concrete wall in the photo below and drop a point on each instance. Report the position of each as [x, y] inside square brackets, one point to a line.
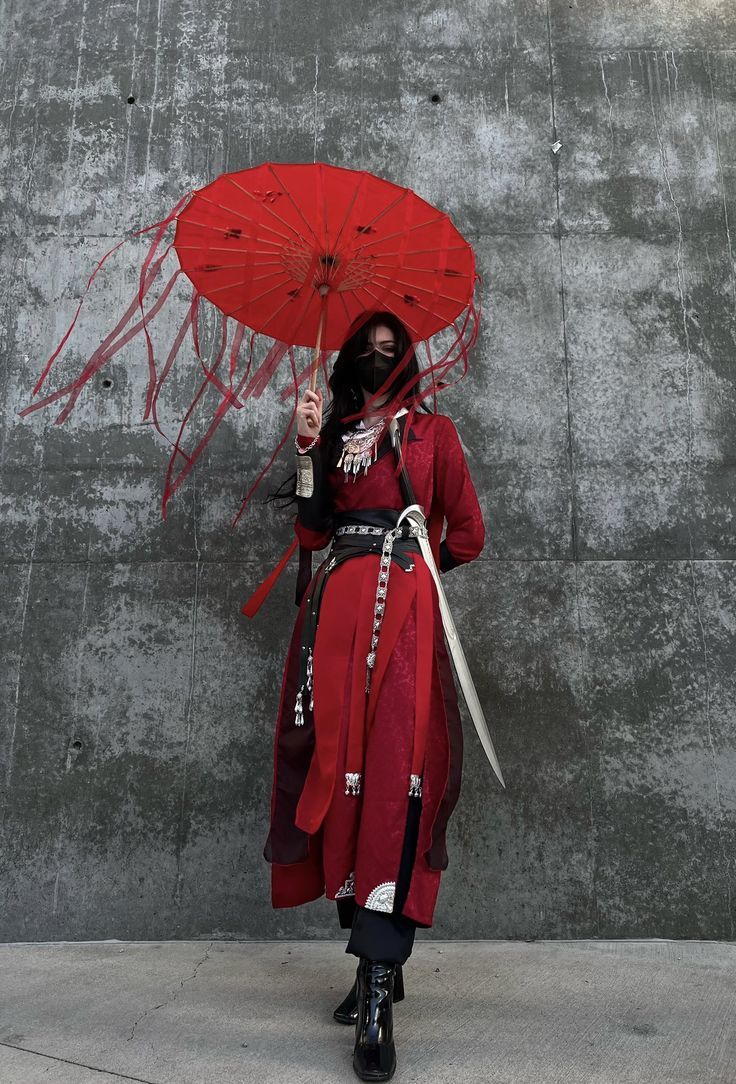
[137, 704]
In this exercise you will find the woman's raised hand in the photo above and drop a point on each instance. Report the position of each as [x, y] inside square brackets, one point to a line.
[309, 413]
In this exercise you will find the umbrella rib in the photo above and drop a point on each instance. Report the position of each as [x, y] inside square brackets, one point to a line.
[260, 203]
[389, 207]
[343, 301]
[400, 282]
[241, 266]
[296, 206]
[221, 229]
[275, 313]
[405, 267]
[356, 191]
[332, 270]
[258, 297]
[244, 282]
[380, 301]
[421, 251]
[246, 218]
[402, 233]
[324, 216]
[232, 252]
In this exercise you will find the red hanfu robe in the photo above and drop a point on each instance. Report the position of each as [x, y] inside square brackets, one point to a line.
[323, 841]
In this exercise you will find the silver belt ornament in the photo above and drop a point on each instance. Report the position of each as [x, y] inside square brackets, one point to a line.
[360, 528]
[390, 534]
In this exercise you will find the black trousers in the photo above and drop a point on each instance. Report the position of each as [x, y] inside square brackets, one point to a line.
[380, 935]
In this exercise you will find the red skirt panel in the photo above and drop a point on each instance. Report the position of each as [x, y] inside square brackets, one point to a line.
[323, 840]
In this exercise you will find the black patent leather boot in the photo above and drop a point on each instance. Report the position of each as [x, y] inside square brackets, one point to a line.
[347, 1011]
[374, 1054]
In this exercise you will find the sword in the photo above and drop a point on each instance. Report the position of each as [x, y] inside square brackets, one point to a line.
[415, 514]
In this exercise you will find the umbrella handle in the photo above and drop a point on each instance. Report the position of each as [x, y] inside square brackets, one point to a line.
[323, 290]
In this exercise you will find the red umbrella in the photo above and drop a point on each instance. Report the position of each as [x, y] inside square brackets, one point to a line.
[300, 253]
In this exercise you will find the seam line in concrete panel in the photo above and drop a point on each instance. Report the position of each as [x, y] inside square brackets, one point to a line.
[80, 1064]
[583, 729]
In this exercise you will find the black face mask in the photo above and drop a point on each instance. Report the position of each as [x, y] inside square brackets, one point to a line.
[373, 369]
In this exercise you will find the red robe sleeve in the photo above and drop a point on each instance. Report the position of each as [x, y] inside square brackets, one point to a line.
[454, 490]
[310, 539]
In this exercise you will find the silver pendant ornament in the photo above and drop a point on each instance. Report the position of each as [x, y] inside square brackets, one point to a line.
[308, 686]
[352, 782]
[360, 450]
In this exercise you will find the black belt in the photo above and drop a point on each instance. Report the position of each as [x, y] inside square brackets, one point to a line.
[355, 534]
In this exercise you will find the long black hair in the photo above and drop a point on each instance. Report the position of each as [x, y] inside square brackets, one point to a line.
[347, 403]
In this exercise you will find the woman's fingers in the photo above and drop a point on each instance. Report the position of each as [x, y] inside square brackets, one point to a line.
[310, 414]
[309, 410]
[311, 403]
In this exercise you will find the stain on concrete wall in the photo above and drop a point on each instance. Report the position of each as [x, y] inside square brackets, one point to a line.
[137, 705]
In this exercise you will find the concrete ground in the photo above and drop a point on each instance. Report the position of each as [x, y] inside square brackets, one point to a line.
[212, 1012]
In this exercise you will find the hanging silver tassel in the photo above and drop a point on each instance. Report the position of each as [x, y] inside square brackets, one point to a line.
[309, 681]
[352, 782]
[415, 787]
[372, 457]
[298, 710]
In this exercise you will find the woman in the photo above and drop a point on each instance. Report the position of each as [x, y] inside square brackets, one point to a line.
[368, 747]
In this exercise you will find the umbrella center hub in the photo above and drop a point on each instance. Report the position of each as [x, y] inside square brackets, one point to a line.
[328, 270]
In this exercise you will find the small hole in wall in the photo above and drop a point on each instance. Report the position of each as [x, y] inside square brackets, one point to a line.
[131, 99]
[436, 98]
[107, 382]
[76, 744]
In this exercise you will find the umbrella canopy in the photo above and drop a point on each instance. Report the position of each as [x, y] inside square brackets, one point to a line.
[300, 253]
[260, 243]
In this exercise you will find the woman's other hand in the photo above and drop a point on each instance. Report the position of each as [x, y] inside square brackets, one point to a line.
[309, 413]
